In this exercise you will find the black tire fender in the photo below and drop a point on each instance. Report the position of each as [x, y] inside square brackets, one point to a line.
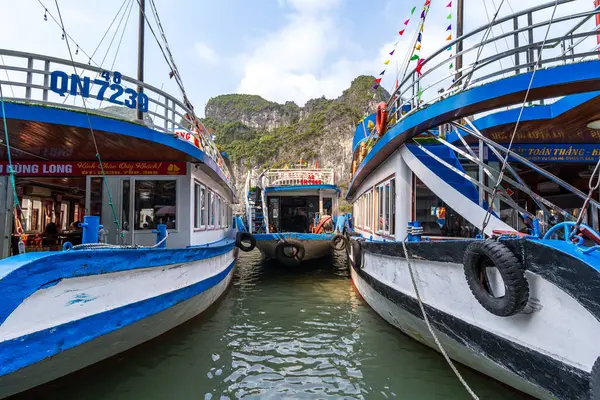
[480, 253]
[243, 237]
[595, 381]
[298, 254]
[338, 242]
[356, 259]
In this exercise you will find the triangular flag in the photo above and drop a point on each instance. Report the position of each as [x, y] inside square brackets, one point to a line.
[449, 4]
[407, 21]
[422, 27]
[396, 86]
[451, 65]
[419, 37]
[428, 2]
[396, 44]
[413, 10]
[392, 52]
[449, 37]
[449, 49]
[418, 46]
[375, 87]
[419, 94]
[378, 80]
[423, 14]
[419, 66]
[382, 72]
[402, 32]
[449, 16]
[414, 57]
[387, 62]
[449, 28]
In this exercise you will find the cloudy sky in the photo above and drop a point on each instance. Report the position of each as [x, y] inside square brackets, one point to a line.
[279, 49]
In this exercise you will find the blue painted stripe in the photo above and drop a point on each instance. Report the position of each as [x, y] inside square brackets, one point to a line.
[292, 235]
[29, 349]
[449, 108]
[37, 113]
[301, 187]
[27, 273]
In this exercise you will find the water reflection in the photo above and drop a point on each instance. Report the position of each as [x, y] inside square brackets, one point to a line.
[279, 333]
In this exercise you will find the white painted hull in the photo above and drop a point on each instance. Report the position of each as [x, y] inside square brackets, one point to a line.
[313, 248]
[121, 339]
[561, 331]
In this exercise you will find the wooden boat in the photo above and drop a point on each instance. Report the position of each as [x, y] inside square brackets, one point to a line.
[484, 254]
[292, 214]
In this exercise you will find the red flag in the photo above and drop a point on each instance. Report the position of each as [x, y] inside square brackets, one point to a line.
[419, 66]
[402, 32]
[427, 3]
[378, 80]
[449, 4]
[396, 86]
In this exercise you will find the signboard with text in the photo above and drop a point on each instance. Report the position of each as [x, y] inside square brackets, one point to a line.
[556, 153]
[83, 168]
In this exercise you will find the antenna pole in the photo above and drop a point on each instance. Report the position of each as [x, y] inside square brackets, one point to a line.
[459, 32]
[140, 73]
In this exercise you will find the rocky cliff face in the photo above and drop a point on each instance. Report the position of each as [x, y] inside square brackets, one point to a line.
[257, 133]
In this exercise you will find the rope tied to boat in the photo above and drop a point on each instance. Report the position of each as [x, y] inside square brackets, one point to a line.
[426, 319]
[91, 246]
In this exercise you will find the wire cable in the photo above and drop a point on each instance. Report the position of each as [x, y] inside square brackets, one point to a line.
[488, 213]
[110, 199]
[108, 29]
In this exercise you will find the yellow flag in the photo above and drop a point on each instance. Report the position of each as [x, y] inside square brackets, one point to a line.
[387, 62]
[418, 46]
[422, 27]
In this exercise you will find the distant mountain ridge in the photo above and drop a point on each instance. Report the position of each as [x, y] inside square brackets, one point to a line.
[263, 134]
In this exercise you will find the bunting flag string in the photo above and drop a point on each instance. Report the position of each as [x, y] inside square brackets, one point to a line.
[391, 53]
[449, 38]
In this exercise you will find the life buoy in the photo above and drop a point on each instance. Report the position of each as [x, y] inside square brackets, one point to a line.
[481, 254]
[338, 242]
[241, 240]
[290, 252]
[381, 118]
[595, 381]
[326, 219]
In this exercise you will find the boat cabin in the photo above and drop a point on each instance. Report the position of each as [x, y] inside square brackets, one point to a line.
[298, 200]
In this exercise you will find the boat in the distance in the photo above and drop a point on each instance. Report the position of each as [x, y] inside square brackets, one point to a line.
[476, 202]
[292, 213]
[121, 221]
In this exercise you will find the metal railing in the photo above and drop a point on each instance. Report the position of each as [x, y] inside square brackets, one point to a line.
[522, 43]
[297, 177]
[40, 79]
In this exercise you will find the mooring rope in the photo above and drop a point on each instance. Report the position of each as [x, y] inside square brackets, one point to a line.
[426, 319]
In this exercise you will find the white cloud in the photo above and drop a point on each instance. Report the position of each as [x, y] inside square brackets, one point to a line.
[297, 62]
[205, 52]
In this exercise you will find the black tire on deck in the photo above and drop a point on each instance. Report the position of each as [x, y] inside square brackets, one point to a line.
[487, 253]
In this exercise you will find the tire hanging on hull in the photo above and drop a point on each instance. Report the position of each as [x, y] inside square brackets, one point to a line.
[483, 254]
[290, 252]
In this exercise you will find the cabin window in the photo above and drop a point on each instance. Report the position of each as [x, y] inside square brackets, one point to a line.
[217, 211]
[380, 207]
[224, 214]
[199, 218]
[155, 203]
[209, 208]
[386, 219]
[126, 189]
[436, 217]
[393, 207]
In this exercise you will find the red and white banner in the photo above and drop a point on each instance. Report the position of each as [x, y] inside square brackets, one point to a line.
[82, 168]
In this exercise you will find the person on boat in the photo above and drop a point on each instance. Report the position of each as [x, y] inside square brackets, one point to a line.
[300, 221]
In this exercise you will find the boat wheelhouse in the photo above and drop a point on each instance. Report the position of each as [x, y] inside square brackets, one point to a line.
[125, 220]
[473, 238]
[292, 212]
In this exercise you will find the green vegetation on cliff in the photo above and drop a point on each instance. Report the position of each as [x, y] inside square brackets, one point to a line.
[263, 133]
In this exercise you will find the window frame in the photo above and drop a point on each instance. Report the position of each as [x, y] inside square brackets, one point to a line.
[200, 215]
[386, 200]
[177, 200]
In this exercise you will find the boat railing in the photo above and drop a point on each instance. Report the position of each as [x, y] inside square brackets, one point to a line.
[299, 177]
[247, 201]
[509, 46]
[49, 81]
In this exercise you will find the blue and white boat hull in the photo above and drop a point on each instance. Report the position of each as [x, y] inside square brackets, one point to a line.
[315, 245]
[549, 350]
[65, 311]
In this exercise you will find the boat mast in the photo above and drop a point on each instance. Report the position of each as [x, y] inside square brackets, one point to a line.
[140, 73]
[459, 33]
